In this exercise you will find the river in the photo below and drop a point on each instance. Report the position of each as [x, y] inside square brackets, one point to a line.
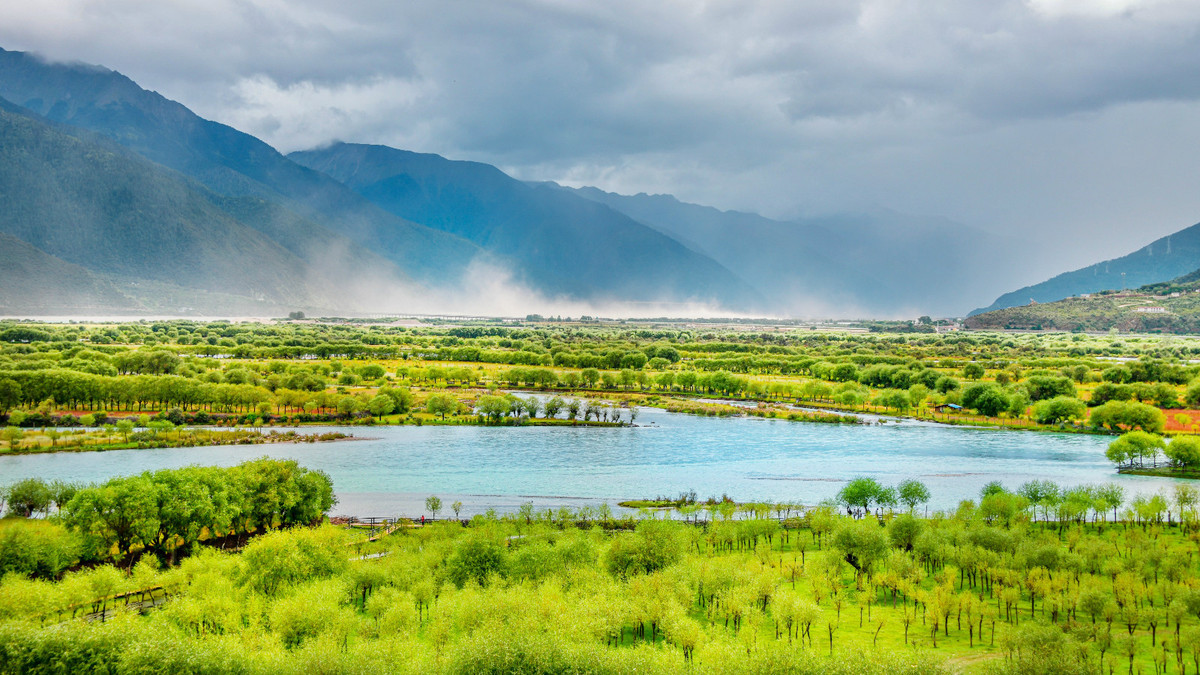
[391, 470]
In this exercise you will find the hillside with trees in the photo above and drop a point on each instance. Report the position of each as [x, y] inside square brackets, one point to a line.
[91, 208]
[1167, 307]
[226, 161]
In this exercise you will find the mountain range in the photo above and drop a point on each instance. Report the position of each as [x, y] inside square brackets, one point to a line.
[118, 199]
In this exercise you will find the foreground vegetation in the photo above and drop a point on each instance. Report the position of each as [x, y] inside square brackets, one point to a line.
[154, 573]
[983, 589]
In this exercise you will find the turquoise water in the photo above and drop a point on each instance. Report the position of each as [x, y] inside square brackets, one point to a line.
[746, 458]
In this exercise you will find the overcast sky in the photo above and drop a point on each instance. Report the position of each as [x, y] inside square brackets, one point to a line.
[1073, 122]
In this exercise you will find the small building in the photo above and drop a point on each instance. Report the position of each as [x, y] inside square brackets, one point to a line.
[946, 407]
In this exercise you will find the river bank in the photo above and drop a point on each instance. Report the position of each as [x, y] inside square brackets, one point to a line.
[56, 441]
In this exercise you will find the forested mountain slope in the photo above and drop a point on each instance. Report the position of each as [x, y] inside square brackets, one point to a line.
[231, 163]
[97, 206]
[31, 280]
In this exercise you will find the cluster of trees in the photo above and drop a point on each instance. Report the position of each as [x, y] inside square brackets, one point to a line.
[860, 494]
[168, 511]
[1044, 500]
[1136, 449]
[495, 409]
[77, 390]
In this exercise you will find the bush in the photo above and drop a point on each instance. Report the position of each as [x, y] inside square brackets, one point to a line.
[1118, 415]
[278, 560]
[36, 548]
[476, 559]
[654, 545]
[1059, 409]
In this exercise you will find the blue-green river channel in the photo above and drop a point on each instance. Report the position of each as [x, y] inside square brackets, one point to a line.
[391, 470]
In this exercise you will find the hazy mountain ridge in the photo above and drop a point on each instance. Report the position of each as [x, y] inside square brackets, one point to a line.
[882, 262]
[333, 228]
[559, 240]
[1163, 259]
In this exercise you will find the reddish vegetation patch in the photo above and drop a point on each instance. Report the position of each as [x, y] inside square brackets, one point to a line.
[1173, 425]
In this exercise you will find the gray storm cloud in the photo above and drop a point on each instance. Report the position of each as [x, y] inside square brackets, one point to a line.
[1069, 121]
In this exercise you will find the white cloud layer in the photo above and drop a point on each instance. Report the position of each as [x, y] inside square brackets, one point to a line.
[1068, 120]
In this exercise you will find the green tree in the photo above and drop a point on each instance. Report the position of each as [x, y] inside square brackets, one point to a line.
[1041, 493]
[433, 504]
[1110, 497]
[1184, 451]
[903, 530]
[441, 404]
[554, 405]
[493, 407]
[1046, 387]
[1134, 446]
[862, 543]
[986, 398]
[655, 544]
[118, 513]
[402, 398]
[10, 394]
[29, 496]
[478, 558]
[348, 405]
[590, 376]
[286, 558]
[912, 492]
[1059, 409]
[380, 405]
[973, 371]
[1120, 415]
[859, 494]
[126, 427]
[13, 436]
